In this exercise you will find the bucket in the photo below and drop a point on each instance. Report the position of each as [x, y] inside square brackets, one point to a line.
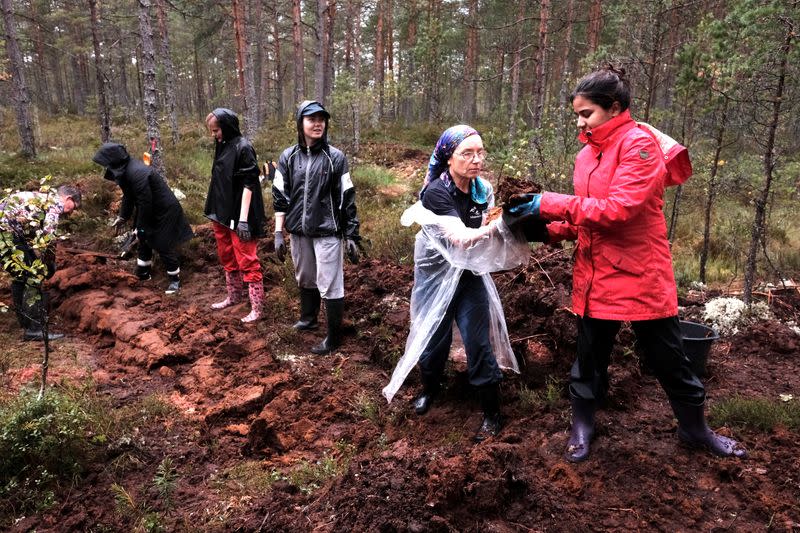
[697, 341]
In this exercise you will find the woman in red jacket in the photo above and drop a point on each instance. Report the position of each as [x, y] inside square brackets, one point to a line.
[623, 266]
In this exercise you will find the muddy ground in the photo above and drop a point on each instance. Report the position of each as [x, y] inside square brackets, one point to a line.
[252, 398]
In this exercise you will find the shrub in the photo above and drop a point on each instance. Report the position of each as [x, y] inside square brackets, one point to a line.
[43, 442]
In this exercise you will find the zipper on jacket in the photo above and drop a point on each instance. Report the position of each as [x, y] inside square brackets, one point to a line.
[591, 239]
[305, 189]
[330, 198]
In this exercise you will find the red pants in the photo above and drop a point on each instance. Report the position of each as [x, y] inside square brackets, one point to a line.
[237, 255]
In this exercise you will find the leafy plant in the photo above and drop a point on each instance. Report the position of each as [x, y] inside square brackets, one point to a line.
[43, 442]
[165, 480]
[144, 520]
[547, 398]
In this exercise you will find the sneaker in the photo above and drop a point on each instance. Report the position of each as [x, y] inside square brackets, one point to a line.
[173, 287]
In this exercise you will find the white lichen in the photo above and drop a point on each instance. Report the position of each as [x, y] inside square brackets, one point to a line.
[729, 315]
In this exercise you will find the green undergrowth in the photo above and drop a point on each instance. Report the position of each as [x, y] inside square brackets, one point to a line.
[757, 413]
[48, 444]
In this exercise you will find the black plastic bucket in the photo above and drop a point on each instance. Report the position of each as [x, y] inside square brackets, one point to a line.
[697, 341]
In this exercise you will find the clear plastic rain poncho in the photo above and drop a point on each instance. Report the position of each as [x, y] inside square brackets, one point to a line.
[444, 248]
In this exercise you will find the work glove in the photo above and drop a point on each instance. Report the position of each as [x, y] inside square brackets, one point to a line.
[280, 246]
[353, 254]
[243, 231]
[119, 226]
[521, 207]
[141, 235]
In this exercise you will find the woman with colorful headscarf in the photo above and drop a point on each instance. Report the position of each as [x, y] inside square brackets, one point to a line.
[455, 251]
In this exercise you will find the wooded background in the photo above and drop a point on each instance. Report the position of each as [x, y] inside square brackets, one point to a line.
[718, 75]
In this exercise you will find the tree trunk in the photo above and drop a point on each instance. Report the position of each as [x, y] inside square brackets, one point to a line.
[297, 41]
[377, 66]
[539, 79]
[244, 64]
[279, 74]
[408, 70]
[149, 94]
[712, 188]
[330, 71]
[169, 70]
[122, 89]
[199, 77]
[769, 156]
[564, 68]
[653, 67]
[388, 47]
[516, 59]
[319, 52]
[356, 22]
[595, 25]
[22, 99]
[471, 65]
[38, 42]
[102, 101]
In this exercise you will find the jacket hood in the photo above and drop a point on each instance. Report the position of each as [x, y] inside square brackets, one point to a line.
[310, 107]
[228, 123]
[114, 157]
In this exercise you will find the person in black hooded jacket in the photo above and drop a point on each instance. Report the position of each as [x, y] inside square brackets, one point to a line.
[315, 202]
[236, 207]
[160, 222]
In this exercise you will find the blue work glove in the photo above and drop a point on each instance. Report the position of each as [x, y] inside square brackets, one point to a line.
[353, 254]
[280, 246]
[243, 231]
[141, 235]
[521, 207]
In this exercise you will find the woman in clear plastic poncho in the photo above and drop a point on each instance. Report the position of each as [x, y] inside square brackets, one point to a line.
[454, 253]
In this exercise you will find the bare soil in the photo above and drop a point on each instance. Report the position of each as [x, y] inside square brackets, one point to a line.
[255, 396]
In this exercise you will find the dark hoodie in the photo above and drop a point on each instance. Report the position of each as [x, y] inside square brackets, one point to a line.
[312, 186]
[235, 168]
[158, 212]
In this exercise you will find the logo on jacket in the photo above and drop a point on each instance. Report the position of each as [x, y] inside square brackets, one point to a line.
[644, 154]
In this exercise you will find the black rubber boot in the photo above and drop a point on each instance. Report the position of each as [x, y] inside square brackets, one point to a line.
[36, 334]
[580, 436]
[492, 421]
[143, 272]
[693, 431]
[423, 402]
[309, 309]
[334, 310]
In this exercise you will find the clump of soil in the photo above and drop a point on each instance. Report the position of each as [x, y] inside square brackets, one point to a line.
[511, 185]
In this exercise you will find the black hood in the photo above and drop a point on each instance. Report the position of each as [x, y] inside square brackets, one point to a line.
[228, 123]
[114, 158]
[309, 107]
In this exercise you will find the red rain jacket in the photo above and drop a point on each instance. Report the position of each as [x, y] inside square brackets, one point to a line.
[623, 265]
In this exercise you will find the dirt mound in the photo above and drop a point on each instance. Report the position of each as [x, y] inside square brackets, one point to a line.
[333, 456]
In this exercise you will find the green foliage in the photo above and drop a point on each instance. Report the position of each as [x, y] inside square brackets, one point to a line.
[310, 476]
[43, 444]
[548, 398]
[759, 413]
[366, 407]
[165, 480]
[142, 518]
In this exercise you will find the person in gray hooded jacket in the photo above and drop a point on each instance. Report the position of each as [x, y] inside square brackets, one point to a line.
[315, 202]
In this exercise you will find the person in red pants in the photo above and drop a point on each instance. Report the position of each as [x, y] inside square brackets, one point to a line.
[235, 206]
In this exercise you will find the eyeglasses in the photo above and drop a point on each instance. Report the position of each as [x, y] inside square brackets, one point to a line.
[469, 155]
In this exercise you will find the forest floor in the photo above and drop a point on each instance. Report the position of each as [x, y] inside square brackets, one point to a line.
[264, 436]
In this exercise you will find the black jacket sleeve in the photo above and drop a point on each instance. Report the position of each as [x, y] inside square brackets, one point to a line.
[282, 184]
[246, 171]
[349, 215]
[144, 201]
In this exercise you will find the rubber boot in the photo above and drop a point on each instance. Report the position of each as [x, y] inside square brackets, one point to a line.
[309, 309]
[33, 334]
[174, 283]
[492, 419]
[423, 402]
[256, 292]
[334, 310]
[143, 272]
[580, 436]
[693, 431]
[235, 288]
